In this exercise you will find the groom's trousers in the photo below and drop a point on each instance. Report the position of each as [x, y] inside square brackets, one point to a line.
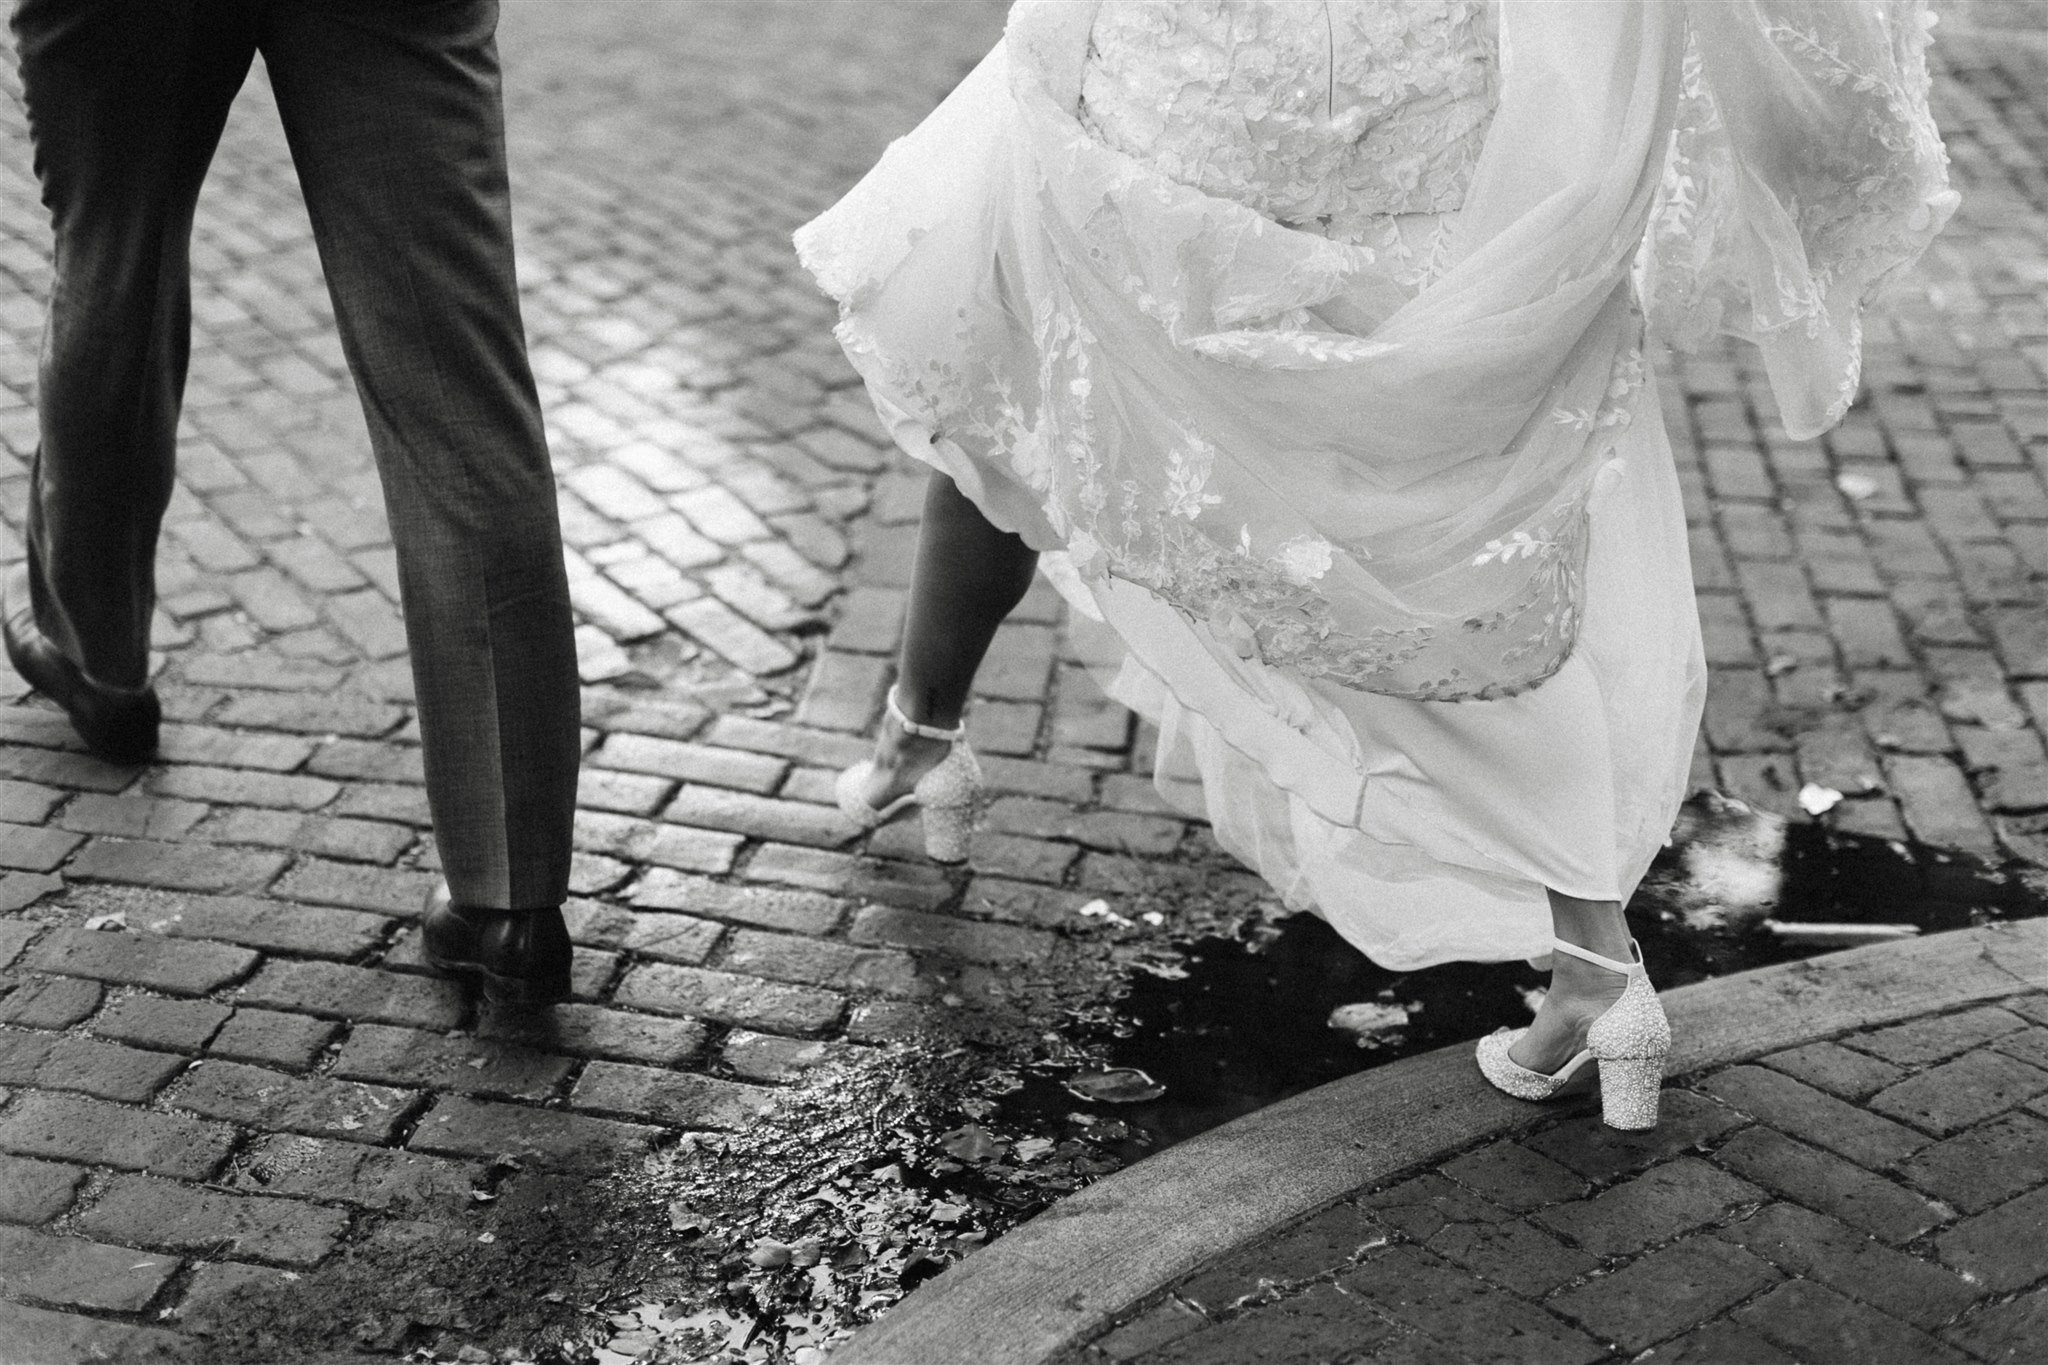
[393, 113]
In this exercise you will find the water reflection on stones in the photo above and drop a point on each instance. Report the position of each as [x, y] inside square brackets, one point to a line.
[1171, 1008]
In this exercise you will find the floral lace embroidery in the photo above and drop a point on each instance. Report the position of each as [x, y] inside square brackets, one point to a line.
[1865, 197]
[1368, 108]
[1017, 340]
[1262, 602]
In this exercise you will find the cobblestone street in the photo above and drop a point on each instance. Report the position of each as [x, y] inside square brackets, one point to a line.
[221, 1064]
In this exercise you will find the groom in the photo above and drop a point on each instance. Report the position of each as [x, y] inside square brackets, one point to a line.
[394, 116]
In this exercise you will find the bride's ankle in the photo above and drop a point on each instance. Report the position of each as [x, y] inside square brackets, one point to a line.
[894, 749]
[1582, 984]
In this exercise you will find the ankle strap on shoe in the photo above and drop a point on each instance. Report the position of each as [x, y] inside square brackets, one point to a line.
[911, 727]
[1586, 955]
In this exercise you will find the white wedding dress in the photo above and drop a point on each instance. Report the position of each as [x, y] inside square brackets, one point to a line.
[1307, 341]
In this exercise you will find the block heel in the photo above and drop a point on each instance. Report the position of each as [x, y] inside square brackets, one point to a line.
[948, 830]
[1629, 1042]
[949, 795]
[1629, 1087]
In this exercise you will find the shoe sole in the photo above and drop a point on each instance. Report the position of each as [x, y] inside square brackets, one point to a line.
[112, 751]
[499, 990]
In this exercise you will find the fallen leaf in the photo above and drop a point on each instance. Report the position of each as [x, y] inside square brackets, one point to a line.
[1815, 799]
[769, 1255]
[1099, 909]
[971, 1143]
[1030, 1149]
[632, 1344]
[1118, 1085]
[1369, 1023]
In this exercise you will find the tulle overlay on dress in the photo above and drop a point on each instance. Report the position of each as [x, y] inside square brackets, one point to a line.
[1396, 558]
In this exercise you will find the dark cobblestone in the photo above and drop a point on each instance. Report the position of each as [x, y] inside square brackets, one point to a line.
[151, 1021]
[66, 1062]
[293, 1041]
[173, 966]
[1976, 1169]
[356, 993]
[373, 1177]
[730, 999]
[434, 1061]
[2004, 1248]
[674, 1098]
[79, 1273]
[1803, 1112]
[271, 925]
[1463, 1313]
[179, 867]
[49, 1003]
[1818, 1325]
[478, 1128]
[90, 1131]
[1962, 1092]
[36, 1191]
[1668, 1199]
[1665, 1292]
[139, 1210]
[1804, 1243]
[260, 1098]
[1829, 1185]
[1836, 1069]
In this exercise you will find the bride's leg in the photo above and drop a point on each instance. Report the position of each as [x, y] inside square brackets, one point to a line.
[1579, 991]
[967, 577]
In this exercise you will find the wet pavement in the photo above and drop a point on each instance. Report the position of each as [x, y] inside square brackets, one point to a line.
[1873, 1196]
[805, 1071]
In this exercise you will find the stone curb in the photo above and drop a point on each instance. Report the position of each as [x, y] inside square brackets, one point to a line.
[1059, 1281]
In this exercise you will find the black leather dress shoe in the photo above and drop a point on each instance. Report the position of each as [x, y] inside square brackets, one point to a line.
[520, 957]
[118, 724]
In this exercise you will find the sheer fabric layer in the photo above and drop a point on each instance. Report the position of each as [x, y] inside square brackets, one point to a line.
[1315, 496]
[1269, 428]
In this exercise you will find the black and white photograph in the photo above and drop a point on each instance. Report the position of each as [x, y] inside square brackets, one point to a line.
[1024, 682]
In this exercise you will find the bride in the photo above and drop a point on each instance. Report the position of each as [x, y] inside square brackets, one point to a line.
[1301, 343]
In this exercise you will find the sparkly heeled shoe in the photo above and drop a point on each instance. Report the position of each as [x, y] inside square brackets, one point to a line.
[1629, 1042]
[949, 795]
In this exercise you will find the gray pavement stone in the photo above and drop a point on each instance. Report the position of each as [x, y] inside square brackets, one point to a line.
[41, 1124]
[1665, 1292]
[140, 1210]
[80, 1273]
[34, 1192]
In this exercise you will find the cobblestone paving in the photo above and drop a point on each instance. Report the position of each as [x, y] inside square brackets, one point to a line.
[1875, 1199]
[210, 979]
[1872, 601]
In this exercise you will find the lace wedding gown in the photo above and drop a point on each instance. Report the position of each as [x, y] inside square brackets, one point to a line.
[1307, 341]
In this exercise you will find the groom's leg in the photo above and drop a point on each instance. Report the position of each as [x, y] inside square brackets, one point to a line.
[125, 107]
[393, 113]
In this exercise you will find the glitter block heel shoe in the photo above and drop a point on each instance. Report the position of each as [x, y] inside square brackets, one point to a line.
[1628, 1044]
[949, 795]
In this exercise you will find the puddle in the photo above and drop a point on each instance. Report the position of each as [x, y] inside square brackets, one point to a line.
[1176, 1005]
[1248, 1022]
